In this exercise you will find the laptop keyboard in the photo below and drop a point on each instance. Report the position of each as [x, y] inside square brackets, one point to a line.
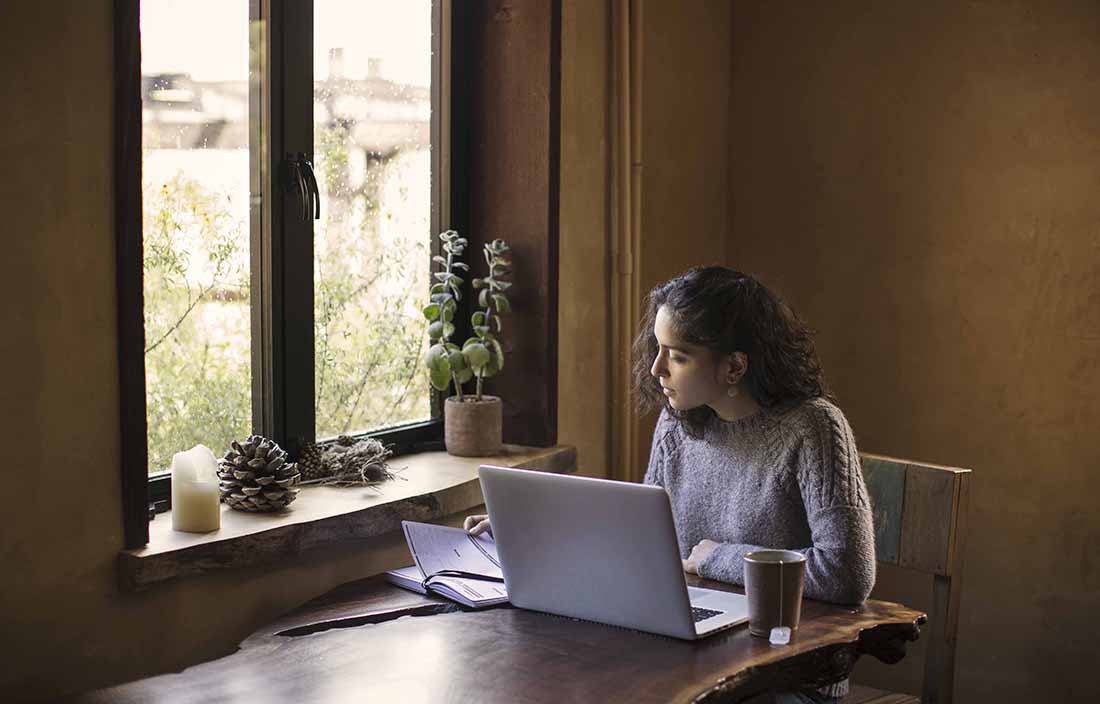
[700, 614]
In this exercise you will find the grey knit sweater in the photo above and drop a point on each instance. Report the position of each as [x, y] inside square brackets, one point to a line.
[781, 478]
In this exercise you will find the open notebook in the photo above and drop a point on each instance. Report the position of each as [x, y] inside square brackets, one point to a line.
[452, 563]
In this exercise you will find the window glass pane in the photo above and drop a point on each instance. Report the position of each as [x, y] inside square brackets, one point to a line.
[195, 164]
[372, 110]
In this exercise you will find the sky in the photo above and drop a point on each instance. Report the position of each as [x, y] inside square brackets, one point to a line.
[209, 38]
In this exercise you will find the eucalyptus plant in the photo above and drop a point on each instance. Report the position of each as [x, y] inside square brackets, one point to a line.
[445, 361]
[483, 351]
[481, 356]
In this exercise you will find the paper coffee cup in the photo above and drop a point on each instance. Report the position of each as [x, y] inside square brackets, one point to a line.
[773, 585]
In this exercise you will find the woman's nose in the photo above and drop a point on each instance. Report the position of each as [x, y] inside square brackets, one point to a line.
[658, 369]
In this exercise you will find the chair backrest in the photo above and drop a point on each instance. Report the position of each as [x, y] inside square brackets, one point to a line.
[920, 518]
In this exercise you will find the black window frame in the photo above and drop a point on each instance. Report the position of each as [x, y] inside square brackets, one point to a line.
[502, 77]
[281, 108]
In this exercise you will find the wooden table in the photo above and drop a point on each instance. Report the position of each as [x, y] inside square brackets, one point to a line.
[354, 645]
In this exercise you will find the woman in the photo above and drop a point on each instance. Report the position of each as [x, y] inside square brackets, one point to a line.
[748, 445]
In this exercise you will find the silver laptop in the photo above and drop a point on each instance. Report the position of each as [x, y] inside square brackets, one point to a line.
[599, 550]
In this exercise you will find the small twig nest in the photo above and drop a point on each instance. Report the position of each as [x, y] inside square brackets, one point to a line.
[349, 462]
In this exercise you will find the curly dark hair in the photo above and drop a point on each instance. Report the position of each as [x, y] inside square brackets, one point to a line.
[726, 311]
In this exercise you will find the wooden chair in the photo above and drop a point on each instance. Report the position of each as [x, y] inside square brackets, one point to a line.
[920, 517]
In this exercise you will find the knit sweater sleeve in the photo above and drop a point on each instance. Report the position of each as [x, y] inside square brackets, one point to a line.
[840, 561]
[840, 565]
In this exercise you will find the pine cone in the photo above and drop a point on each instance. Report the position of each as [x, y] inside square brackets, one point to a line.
[255, 476]
[310, 462]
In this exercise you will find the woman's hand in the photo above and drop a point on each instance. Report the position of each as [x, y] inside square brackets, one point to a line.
[698, 555]
[478, 524]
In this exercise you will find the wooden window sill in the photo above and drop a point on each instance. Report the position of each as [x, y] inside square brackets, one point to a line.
[431, 486]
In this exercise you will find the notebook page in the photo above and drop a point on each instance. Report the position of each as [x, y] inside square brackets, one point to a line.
[437, 548]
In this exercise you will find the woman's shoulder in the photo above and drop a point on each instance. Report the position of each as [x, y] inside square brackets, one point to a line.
[812, 414]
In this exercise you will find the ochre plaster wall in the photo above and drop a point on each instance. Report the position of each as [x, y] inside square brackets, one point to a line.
[685, 131]
[920, 180]
[66, 627]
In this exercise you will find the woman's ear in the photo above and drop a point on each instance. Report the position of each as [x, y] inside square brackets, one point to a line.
[735, 366]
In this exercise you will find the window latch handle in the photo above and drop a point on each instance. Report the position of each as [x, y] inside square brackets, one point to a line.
[303, 182]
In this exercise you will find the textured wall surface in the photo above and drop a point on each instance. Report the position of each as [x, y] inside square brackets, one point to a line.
[920, 180]
[685, 147]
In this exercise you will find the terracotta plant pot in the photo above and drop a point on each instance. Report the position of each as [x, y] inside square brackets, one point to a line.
[472, 428]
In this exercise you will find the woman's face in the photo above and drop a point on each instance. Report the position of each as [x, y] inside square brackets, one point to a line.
[688, 373]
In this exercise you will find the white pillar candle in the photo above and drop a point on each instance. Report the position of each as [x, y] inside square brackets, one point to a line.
[195, 507]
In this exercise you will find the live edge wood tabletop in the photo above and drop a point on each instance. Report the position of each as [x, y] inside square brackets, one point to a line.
[368, 641]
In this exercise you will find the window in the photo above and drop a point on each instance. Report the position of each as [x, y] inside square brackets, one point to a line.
[195, 225]
[268, 308]
[340, 85]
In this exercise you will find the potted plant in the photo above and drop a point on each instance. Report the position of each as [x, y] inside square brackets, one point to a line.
[471, 422]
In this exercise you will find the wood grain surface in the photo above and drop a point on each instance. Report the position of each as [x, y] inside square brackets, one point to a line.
[431, 485]
[368, 641]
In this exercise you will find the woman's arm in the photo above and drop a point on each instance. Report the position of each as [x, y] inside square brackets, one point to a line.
[840, 565]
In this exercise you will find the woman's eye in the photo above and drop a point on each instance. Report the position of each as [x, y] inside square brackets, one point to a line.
[675, 358]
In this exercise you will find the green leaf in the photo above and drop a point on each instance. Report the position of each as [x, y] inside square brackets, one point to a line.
[477, 355]
[438, 288]
[483, 298]
[504, 285]
[464, 375]
[496, 361]
[448, 329]
[461, 265]
[477, 283]
[501, 303]
[435, 331]
[437, 354]
[441, 260]
[431, 311]
[441, 276]
[448, 314]
[439, 379]
[439, 367]
[440, 298]
[457, 359]
[478, 318]
[482, 331]
[496, 320]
